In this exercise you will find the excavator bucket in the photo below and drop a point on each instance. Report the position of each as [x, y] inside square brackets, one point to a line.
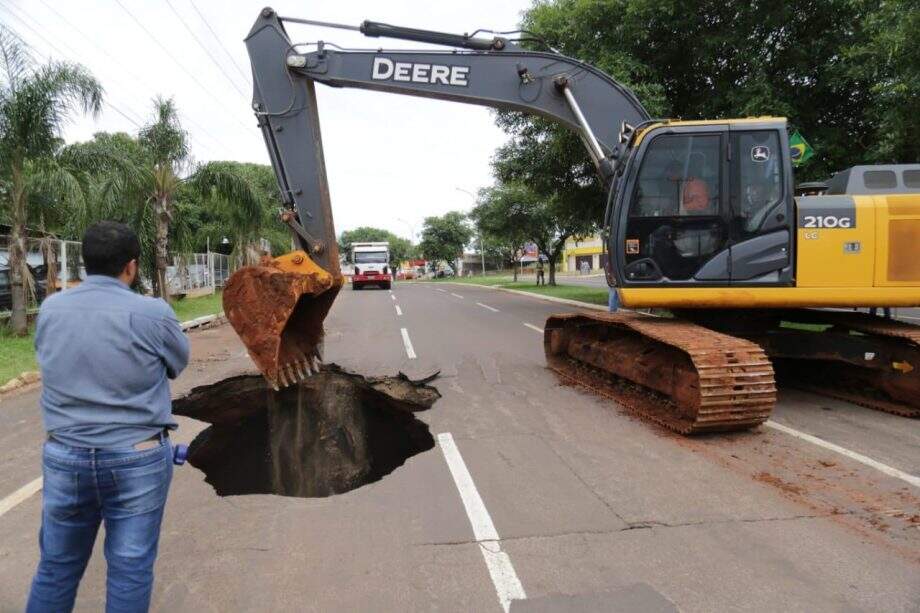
[277, 308]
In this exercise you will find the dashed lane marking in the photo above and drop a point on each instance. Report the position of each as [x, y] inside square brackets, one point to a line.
[398, 310]
[408, 343]
[888, 470]
[533, 327]
[392, 296]
[507, 585]
[20, 495]
[456, 295]
[443, 291]
[485, 306]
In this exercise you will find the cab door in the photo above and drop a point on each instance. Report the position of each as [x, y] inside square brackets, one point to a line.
[760, 196]
[674, 215]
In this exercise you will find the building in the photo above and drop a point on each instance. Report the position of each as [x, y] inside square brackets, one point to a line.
[579, 250]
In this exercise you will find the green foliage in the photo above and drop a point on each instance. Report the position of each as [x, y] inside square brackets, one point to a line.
[581, 293]
[401, 249]
[519, 213]
[845, 72]
[443, 238]
[17, 354]
[191, 308]
[35, 102]
[499, 217]
[888, 58]
[164, 138]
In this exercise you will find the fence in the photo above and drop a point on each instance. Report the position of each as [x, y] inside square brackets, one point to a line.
[195, 272]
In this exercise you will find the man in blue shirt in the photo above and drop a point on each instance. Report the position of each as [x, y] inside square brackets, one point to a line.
[106, 354]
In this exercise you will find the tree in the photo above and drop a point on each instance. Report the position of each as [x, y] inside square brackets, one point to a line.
[516, 211]
[496, 217]
[167, 146]
[844, 72]
[401, 249]
[443, 238]
[35, 102]
[165, 143]
[889, 59]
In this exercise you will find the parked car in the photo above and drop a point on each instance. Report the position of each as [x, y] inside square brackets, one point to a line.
[6, 294]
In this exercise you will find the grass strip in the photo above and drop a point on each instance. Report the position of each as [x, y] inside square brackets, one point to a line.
[17, 353]
[592, 295]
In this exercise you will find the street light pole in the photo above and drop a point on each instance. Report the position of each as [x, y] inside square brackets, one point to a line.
[482, 251]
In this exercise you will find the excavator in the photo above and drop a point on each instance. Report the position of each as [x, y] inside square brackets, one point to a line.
[701, 221]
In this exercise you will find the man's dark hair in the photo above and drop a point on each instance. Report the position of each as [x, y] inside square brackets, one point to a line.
[108, 246]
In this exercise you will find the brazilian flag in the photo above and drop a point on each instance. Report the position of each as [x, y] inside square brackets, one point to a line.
[801, 150]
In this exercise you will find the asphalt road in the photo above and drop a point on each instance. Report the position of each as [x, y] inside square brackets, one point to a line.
[535, 490]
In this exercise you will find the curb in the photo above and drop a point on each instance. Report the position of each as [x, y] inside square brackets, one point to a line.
[206, 321]
[569, 301]
[33, 376]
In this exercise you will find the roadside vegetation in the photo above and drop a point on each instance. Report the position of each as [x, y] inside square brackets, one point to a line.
[17, 353]
[190, 308]
[146, 180]
[592, 295]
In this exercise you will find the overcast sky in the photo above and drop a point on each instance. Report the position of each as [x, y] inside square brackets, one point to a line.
[392, 160]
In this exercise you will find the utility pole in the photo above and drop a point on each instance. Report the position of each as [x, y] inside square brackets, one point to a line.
[482, 251]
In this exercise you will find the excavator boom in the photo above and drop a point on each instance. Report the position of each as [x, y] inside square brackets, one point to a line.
[278, 307]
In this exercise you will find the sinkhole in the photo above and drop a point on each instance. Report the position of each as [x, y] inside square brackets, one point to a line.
[328, 435]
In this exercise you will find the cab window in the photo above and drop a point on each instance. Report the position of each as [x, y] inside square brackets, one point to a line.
[679, 177]
[674, 223]
[757, 179]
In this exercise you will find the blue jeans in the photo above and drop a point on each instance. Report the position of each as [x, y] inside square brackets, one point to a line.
[82, 487]
[613, 300]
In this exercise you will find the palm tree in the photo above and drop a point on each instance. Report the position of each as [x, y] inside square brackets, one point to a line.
[166, 144]
[35, 102]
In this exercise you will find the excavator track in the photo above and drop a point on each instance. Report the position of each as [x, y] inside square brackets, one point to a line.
[889, 381]
[683, 376]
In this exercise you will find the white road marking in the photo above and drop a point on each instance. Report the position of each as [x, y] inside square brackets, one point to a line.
[888, 470]
[408, 343]
[485, 306]
[533, 327]
[507, 585]
[456, 295]
[908, 317]
[441, 290]
[398, 310]
[20, 495]
[392, 296]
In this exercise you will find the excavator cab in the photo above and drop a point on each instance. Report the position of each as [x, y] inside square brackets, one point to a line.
[703, 204]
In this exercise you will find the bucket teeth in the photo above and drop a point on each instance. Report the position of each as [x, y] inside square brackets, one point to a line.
[300, 370]
[281, 377]
[291, 373]
[316, 363]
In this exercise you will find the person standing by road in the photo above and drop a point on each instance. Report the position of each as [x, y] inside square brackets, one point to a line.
[539, 271]
[106, 354]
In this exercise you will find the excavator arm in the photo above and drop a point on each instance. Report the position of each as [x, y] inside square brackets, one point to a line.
[278, 307]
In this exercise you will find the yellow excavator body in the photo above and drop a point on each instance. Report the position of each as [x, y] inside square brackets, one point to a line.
[874, 264]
